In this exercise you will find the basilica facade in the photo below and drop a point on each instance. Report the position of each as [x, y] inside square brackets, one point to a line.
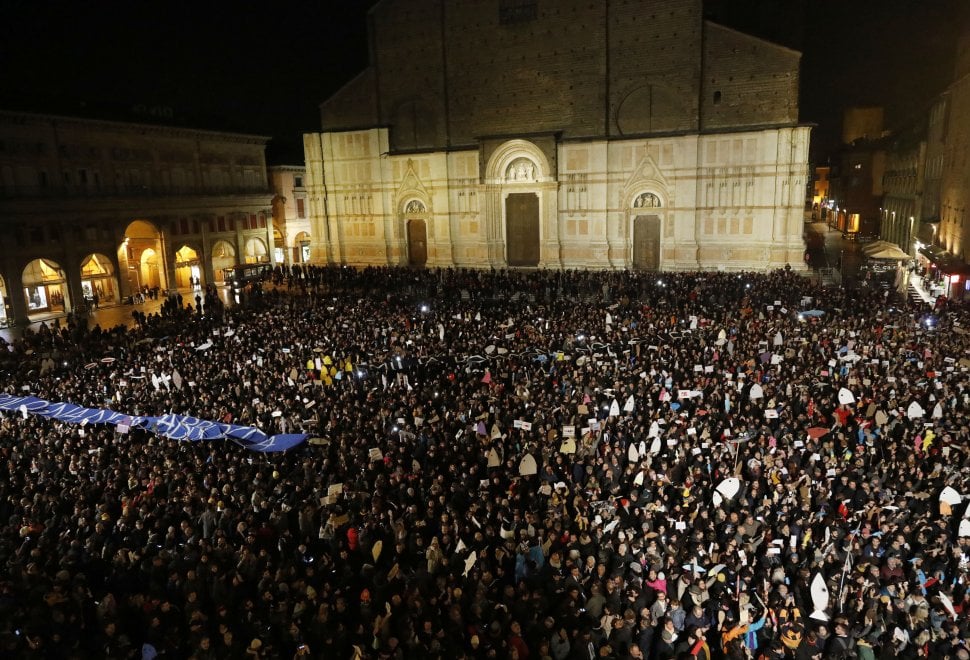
[574, 134]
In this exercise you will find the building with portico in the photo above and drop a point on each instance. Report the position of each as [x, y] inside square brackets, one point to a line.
[105, 208]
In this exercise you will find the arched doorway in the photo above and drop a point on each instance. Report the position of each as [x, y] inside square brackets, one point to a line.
[4, 303]
[149, 269]
[417, 242]
[646, 242]
[98, 279]
[45, 288]
[188, 268]
[279, 246]
[302, 247]
[256, 251]
[522, 229]
[223, 256]
[646, 232]
[520, 210]
[414, 214]
[139, 257]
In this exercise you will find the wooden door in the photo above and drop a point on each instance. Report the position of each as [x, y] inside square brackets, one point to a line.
[522, 229]
[417, 243]
[646, 242]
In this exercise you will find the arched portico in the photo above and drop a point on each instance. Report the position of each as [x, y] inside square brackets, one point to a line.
[98, 281]
[223, 256]
[256, 251]
[301, 248]
[141, 258]
[45, 289]
[188, 267]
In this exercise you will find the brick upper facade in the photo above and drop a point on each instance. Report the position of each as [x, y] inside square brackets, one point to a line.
[446, 76]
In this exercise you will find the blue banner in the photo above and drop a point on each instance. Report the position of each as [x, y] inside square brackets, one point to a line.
[175, 427]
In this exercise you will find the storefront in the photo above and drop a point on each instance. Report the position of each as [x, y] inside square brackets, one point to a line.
[44, 287]
[97, 280]
[943, 273]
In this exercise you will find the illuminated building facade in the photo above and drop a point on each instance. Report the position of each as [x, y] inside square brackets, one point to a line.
[561, 135]
[291, 220]
[101, 209]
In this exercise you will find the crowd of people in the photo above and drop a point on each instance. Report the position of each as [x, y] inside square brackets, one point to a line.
[502, 464]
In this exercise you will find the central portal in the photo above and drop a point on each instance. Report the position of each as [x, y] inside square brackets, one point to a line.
[646, 242]
[522, 229]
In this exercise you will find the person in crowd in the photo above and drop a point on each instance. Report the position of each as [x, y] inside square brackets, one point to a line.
[499, 464]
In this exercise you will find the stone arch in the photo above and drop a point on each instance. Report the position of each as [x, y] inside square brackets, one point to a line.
[45, 289]
[150, 269]
[98, 278]
[302, 246]
[188, 265]
[255, 250]
[223, 255]
[141, 257]
[497, 168]
[522, 189]
[650, 108]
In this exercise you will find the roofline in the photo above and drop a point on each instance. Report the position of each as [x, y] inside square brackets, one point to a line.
[344, 86]
[766, 42]
[132, 125]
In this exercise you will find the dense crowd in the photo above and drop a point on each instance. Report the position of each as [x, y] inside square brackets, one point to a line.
[500, 465]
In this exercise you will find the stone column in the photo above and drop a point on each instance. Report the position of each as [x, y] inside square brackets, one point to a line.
[15, 295]
[72, 273]
[271, 239]
[168, 260]
[208, 275]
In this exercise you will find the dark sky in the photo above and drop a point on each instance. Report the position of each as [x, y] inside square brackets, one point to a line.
[264, 67]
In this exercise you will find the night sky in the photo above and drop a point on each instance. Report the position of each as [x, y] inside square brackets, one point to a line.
[264, 67]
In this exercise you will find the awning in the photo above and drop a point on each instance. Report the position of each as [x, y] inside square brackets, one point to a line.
[947, 262]
[878, 246]
[888, 253]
